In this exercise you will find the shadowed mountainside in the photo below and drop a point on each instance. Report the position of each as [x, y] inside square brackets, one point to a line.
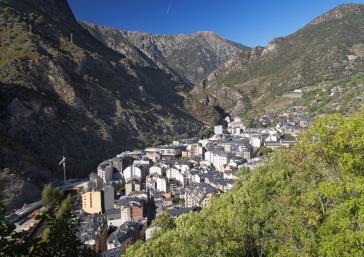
[64, 92]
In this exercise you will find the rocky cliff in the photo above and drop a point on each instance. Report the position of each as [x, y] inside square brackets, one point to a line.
[191, 56]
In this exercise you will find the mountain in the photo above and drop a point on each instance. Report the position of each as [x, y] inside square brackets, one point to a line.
[62, 92]
[192, 56]
[324, 57]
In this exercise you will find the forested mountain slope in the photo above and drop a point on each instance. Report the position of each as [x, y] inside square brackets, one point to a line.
[304, 201]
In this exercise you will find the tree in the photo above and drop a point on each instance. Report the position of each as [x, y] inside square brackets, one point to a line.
[165, 221]
[265, 150]
[6, 242]
[63, 208]
[51, 196]
[12, 244]
[206, 133]
[61, 239]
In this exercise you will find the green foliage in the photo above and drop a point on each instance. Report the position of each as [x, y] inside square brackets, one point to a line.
[304, 201]
[61, 239]
[165, 221]
[206, 133]
[65, 207]
[51, 196]
[12, 244]
[6, 246]
[62, 209]
[265, 150]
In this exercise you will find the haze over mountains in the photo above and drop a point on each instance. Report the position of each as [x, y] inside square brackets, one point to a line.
[89, 91]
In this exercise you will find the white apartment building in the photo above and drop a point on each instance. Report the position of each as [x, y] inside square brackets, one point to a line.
[220, 159]
[209, 156]
[181, 178]
[132, 171]
[156, 170]
[246, 151]
[162, 185]
[195, 149]
[104, 171]
[170, 150]
[218, 130]
[256, 141]
[172, 173]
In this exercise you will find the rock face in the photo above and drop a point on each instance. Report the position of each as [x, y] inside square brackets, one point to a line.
[64, 92]
[328, 50]
[191, 56]
[338, 13]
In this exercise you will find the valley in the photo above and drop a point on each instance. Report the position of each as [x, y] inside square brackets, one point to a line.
[181, 144]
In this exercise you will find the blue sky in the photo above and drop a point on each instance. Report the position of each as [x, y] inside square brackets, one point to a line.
[246, 21]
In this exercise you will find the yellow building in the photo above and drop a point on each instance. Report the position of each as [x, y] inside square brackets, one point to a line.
[91, 202]
[99, 200]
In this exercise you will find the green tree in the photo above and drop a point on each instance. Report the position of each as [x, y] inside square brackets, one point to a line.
[165, 221]
[51, 196]
[7, 245]
[265, 151]
[12, 244]
[206, 133]
[61, 239]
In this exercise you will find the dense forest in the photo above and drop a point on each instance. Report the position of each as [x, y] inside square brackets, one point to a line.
[304, 201]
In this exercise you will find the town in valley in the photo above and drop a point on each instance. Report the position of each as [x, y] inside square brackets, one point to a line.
[116, 204]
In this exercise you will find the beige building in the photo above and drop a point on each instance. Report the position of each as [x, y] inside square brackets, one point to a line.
[99, 200]
[91, 202]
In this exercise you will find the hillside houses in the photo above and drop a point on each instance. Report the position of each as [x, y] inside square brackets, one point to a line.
[129, 190]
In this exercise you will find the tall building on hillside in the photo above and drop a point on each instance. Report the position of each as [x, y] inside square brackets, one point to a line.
[218, 130]
[91, 202]
[162, 185]
[97, 200]
[104, 171]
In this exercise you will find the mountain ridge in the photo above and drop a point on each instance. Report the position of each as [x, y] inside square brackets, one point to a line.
[176, 52]
[255, 81]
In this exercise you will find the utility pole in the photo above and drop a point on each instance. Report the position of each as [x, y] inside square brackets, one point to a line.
[63, 162]
[71, 38]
